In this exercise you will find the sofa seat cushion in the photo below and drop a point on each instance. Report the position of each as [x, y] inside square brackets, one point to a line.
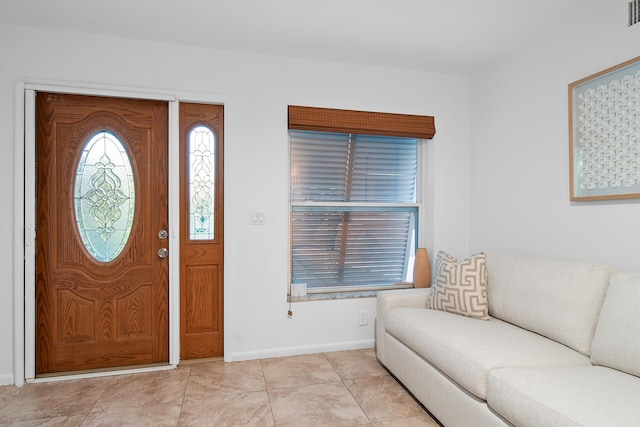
[466, 349]
[573, 396]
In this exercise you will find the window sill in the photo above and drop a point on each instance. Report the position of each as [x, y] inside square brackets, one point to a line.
[332, 296]
[324, 296]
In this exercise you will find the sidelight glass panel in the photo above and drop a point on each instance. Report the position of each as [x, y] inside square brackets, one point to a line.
[104, 196]
[202, 172]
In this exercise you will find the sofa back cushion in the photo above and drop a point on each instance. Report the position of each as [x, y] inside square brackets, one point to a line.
[558, 299]
[616, 343]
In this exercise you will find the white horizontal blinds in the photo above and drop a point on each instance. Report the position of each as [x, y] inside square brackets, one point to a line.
[351, 246]
[376, 249]
[328, 166]
[385, 169]
[318, 166]
[316, 247]
[363, 232]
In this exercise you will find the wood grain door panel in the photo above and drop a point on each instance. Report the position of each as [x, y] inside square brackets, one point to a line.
[92, 314]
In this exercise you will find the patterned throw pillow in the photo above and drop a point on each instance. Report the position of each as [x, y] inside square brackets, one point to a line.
[460, 286]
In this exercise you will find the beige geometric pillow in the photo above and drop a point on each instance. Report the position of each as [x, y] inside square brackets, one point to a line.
[460, 286]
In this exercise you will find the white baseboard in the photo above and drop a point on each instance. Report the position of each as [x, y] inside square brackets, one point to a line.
[295, 351]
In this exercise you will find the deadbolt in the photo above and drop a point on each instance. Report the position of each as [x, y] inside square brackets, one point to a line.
[162, 234]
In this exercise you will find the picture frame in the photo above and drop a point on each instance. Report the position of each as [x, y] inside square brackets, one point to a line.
[604, 134]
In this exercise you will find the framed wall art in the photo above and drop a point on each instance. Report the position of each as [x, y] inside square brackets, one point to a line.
[604, 134]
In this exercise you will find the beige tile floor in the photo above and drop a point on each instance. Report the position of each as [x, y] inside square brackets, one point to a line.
[347, 388]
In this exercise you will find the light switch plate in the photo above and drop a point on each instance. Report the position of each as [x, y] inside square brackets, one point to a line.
[256, 217]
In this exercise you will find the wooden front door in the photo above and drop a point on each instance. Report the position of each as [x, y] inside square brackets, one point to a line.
[201, 230]
[101, 201]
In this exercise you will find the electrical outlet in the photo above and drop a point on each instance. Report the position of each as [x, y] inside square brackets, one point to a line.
[363, 318]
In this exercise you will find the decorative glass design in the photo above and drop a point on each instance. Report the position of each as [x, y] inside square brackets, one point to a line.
[104, 195]
[202, 148]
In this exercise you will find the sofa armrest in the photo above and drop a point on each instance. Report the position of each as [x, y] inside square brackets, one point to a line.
[388, 300]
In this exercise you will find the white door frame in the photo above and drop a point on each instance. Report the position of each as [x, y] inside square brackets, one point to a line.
[24, 214]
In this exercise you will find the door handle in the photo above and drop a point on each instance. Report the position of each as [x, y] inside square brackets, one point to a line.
[163, 252]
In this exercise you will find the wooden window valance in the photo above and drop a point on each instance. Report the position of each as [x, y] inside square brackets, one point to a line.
[361, 122]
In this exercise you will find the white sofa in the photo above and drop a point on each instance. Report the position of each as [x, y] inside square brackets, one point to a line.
[562, 347]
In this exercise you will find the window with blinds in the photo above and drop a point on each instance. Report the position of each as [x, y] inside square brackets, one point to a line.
[354, 210]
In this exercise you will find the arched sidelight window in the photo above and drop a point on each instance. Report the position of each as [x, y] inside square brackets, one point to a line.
[202, 172]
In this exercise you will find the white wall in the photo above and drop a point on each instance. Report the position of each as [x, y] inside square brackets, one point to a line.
[520, 150]
[260, 88]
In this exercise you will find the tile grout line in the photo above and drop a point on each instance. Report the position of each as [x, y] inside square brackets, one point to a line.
[97, 400]
[184, 395]
[348, 389]
[266, 389]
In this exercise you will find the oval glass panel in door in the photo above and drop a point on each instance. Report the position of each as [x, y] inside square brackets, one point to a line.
[104, 193]
[202, 152]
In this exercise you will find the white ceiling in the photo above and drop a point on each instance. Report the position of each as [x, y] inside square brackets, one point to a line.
[430, 35]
